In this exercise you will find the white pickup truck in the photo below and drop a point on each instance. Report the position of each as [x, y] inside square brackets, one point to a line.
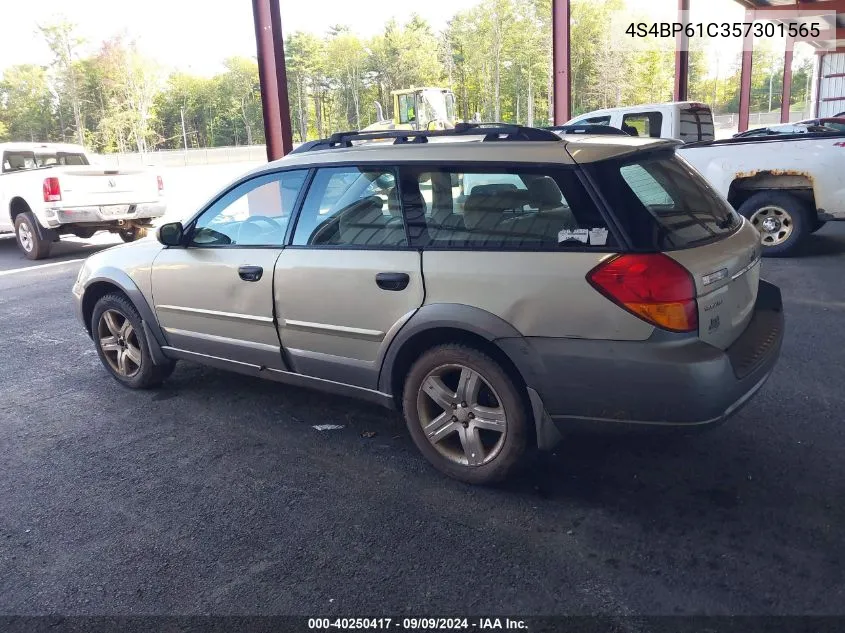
[788, 185]
[50, 190]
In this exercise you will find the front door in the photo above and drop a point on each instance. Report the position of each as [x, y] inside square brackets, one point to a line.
[349, 280]
[214, 296]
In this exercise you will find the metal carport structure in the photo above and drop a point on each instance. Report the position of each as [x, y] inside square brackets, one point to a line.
[830, 80]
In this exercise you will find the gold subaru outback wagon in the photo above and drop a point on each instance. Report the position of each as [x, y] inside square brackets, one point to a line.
[497, 284]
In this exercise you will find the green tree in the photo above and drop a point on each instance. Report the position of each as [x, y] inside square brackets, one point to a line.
[26, 107]
[64, 44]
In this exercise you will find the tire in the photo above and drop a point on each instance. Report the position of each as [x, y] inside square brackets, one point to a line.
[109, 321]
[135, 233]
[497, 395]
[819, 224]
[28, 237]
[784, 222]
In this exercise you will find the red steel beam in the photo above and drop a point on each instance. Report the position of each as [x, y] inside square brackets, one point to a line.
[271, 75]
[562, 81]
[745, 77]
[786, 92]
[681, 92]
[281, 77]
[808, 8]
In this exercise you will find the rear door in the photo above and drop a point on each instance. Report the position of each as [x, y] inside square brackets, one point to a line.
[349, 280]
[667, 206]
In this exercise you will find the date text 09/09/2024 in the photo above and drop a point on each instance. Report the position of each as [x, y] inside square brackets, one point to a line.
[725, 29]
[418, 624]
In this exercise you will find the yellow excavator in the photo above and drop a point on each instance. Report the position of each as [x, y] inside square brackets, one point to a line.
[418, 109]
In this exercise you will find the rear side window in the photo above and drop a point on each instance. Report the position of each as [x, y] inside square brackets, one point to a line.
[662, 203]
[696, 125]
[351, 206]
[643, 124]
[522, 208]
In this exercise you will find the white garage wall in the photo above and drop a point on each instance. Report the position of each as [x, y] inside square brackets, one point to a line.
[832, 87]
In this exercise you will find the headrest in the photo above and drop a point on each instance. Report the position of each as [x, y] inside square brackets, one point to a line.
[544, 192]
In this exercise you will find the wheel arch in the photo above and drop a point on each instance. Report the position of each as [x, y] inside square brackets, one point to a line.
[436, 324]
[18, 205]
[797, 183]
[115, 280]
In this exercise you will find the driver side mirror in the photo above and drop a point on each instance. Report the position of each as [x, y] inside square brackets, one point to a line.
[171, 234]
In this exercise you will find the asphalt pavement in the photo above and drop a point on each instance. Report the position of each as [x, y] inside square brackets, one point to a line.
[216, 495]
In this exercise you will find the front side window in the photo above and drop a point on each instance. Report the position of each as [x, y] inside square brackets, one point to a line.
[351, 206]
[255, 213]
[526, 208]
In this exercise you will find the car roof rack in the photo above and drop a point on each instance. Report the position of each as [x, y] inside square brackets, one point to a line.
[587, 129]
[490, 131]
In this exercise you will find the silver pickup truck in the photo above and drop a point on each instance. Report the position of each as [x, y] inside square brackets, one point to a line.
[51, 190]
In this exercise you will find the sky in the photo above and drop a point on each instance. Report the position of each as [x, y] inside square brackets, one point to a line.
[197, 35]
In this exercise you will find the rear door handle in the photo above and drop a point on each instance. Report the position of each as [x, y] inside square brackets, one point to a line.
[392, 281]
[250, 273]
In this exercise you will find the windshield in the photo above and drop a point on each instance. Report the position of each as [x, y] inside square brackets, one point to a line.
[23, 160]
[437, 105]
[662, 202]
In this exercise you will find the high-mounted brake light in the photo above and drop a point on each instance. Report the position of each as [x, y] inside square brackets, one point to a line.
[160, 183]
[52, 190]
[653, 287]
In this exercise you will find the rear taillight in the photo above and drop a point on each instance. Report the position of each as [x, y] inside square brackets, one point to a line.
[52, 190]
[160, 184]
[653, 287]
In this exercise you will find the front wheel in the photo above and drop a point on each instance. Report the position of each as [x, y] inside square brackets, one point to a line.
[782, 220]
[122, 346]
[28, 237]
[466, 414]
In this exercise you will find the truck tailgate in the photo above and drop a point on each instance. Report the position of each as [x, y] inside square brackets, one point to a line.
[87, 186]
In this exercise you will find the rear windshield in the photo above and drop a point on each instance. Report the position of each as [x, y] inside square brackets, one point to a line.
[696, 125]
[662, 203]
[21, 161]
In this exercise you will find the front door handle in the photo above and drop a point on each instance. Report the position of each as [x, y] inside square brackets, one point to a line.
[392, 281]
[250, 273]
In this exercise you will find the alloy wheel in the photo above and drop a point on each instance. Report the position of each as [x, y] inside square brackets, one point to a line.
[461, 415]
[25, 237]
[774, 224]
[119, 342]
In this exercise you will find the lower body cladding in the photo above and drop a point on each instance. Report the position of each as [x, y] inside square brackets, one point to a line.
[669, 380]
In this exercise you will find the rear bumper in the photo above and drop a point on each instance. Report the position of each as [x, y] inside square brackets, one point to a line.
[668, 380]
[58, 216]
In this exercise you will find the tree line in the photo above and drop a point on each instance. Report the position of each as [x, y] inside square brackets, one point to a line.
[496, 57]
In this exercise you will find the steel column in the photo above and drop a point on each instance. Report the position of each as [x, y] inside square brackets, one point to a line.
[272, 76]
[561, 75]
[786, 91]
[745, 77]
[682, 55]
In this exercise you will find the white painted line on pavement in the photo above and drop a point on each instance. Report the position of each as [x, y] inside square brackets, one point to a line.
[15, 271]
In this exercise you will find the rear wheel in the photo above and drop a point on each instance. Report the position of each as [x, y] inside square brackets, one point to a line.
[782, 220]
[135, 233]
[465, 414]
[29, 239]
[122, 345]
